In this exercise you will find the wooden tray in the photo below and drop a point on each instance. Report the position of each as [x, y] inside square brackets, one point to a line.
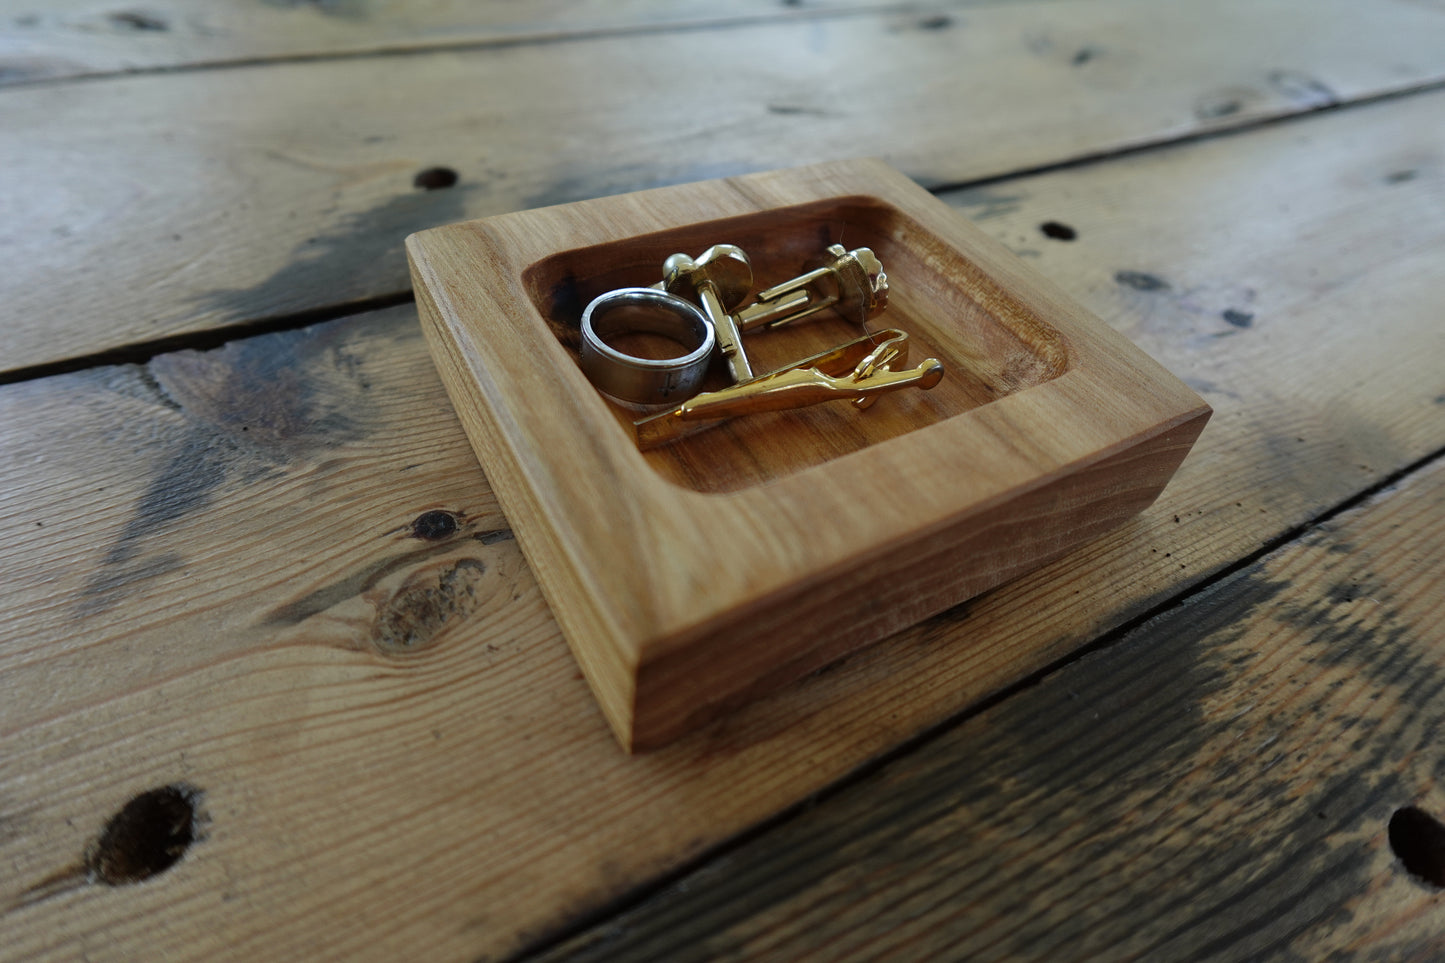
[695, 576]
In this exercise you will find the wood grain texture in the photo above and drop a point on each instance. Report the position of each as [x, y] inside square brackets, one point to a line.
[213, 577]
[1218, 785]
[137, 209]
[64, 39]
[684, 595]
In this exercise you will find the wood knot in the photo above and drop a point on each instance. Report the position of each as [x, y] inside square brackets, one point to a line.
[147, 836]
[418, 612]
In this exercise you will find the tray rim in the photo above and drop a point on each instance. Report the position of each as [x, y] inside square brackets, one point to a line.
[648, 616]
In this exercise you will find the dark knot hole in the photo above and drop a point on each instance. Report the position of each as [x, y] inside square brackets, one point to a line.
[435, 178]
[148, 836]
[1418, 838]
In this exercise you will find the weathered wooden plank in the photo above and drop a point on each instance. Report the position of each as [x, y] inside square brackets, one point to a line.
[142, 208]
[272, 575]
[1222, 784]
[82, 38]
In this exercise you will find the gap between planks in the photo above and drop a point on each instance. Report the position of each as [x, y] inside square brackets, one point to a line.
[141, 352]
[266, 214]
[525, 38]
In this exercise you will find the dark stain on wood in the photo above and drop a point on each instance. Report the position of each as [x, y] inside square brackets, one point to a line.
[347, 258]
[1083, 55]
[20, 70]
[1214, 107]
[985, 203]
[157, 391]
[1141, 281]
[1055, 823]
[139, 20]
[939, 21]
[954, 811]
[1206, 387]
[564, 312]
[1343, 592]
[349, 9]
[426, 604]
[588, 182]
[1401, 176]
[182, 484]
[111, 584]
[1302, 89]
[276, 397]
[1240, 319]
[250, 408]
[796, 110]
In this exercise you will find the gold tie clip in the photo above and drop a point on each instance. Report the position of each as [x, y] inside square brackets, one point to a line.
[859, 370]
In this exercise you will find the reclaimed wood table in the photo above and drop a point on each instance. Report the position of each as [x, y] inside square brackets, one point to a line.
[276, 682]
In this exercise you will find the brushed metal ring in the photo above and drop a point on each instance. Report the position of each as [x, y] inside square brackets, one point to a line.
[647, 381]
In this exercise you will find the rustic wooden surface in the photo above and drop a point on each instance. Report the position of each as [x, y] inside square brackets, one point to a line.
[139, 209]
[272, 576]
[1220, 783]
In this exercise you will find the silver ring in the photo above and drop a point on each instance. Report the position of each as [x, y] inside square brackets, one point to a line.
[646, 381]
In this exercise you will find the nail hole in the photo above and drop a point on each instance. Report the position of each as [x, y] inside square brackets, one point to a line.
[434, 525]
[1057, 231]
[147, 837]
[1418, 839]
[435, 178]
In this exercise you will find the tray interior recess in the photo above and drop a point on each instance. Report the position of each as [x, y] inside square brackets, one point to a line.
[990, 345]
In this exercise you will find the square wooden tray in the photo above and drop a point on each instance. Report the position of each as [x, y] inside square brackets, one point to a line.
[695, 576]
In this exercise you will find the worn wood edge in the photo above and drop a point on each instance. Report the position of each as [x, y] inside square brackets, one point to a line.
[336, 203]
